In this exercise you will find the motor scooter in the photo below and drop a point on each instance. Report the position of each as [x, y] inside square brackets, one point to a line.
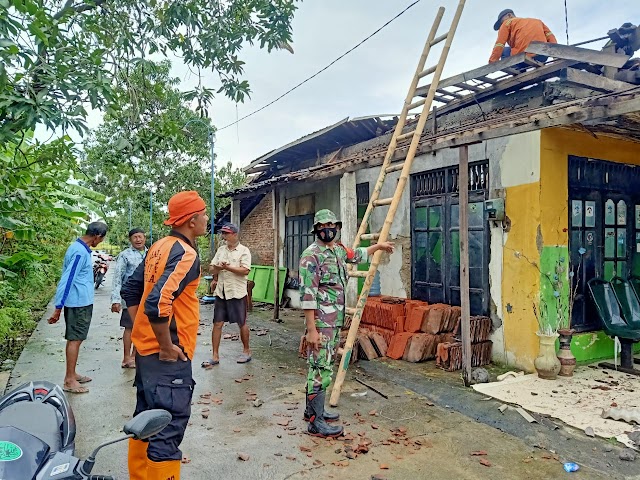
[37, 435]
[100, 267]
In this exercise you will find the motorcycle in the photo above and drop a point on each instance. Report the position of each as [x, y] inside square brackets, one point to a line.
[100, 267]
[37, 435]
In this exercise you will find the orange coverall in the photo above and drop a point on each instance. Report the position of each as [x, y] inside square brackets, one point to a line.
[519, 33]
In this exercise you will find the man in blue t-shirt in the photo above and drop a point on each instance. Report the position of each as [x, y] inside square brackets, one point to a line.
[75, 295]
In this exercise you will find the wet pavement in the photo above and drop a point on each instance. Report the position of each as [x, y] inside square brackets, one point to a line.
[418, 432]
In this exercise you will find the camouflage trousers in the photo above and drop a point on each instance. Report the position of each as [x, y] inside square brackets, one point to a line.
[321, 361]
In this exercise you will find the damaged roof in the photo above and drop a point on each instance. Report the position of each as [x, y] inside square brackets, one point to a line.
[341, 134]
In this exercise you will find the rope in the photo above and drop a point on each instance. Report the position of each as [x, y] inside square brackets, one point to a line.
[323, 69]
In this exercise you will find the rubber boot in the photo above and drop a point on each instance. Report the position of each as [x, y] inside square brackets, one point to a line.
[329, 417]
[169, 470]
[318, 427]
[137, 459]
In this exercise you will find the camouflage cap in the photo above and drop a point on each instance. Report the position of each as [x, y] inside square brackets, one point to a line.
[325, 216]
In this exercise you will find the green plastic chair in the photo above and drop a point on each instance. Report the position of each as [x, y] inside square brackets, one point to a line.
[614, 324]
[628, 301]
[634, 281]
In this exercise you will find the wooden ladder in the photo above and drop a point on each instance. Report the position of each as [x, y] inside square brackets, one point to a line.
[392, 202]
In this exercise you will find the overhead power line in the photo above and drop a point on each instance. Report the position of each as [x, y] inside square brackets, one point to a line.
[323, 69]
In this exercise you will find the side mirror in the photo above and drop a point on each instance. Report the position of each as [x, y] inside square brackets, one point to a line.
[147, 424]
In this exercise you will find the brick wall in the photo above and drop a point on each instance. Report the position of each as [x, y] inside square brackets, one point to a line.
[256, 232]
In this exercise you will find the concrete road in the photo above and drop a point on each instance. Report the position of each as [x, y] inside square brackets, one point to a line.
[433, 442]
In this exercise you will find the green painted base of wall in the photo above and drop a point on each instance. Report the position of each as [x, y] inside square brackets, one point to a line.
[588, 347]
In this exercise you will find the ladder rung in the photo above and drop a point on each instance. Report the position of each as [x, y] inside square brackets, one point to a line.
[439, 39]
[419, 103]
[394, 168]
[428, 71]
[370, 236]
[350, 311]
[359, 273]
[383, 202]
[406, 135]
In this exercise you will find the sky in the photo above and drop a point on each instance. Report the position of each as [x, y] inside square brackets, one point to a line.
[374, 78]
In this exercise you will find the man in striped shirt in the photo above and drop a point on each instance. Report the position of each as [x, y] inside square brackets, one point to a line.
[515, 34]
[75, 296]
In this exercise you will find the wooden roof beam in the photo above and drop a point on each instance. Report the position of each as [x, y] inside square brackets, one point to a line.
[578, 54]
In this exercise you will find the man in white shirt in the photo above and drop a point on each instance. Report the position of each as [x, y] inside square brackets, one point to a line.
[230, 267]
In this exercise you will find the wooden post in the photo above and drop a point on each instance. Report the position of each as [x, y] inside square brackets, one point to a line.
[276, 253]
[463, 186]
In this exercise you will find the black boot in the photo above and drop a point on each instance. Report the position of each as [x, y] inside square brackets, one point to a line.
[318, 427]
[328, 416]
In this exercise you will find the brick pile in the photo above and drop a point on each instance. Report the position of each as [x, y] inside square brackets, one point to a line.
[449, 354]
[415, 331]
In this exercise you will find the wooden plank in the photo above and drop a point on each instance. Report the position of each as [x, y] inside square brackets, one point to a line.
[578, 54]
[465, 320]
[379, 343]
[510, 84]
[276, 252]
[366, 348]
[476, 73]
[593, 81]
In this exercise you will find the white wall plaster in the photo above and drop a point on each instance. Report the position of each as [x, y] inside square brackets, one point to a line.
[520, 162]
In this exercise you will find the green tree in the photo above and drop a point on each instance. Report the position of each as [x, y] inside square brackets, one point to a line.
[150, 141]
[57, 56]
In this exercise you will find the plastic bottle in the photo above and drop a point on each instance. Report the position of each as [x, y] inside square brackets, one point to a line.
[571, 467]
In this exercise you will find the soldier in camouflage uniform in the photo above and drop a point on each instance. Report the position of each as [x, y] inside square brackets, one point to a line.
[323, 280]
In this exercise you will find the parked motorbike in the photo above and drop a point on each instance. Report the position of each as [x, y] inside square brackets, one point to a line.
[100, 267]
[38, 429]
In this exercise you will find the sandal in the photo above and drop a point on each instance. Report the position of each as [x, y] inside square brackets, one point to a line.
[244, 358]
[128, 365]
[83, 379]
[210, 363]
[75, 389]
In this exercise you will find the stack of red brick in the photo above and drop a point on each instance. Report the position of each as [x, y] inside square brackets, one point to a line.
[412, 329]
[415, 331]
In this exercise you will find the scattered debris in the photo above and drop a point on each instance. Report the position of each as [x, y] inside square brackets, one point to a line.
[341, 463]
[291, 457]
[485, 462]
[479, 453]
[383, 395]
[243, 456]
[186, 460]
[502, 408]
[571, 467]
[589, 432]
[509, 375]
[384, 466]
[304, 449]
[627, 455]
[359, 394]
[629, 415]
[258, 403]
[525, 415]
[634, 437]
[480, 375]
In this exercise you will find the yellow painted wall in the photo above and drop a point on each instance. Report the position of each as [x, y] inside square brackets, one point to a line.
[521, 280]
[539, 218]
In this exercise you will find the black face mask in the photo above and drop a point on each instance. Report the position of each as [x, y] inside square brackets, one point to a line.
[327, 235]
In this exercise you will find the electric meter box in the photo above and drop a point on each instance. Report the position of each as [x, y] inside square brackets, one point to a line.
[494, 209]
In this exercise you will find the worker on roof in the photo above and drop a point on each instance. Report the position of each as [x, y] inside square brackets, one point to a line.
[515, 34]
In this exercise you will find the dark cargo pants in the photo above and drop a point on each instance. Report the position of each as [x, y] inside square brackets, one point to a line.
[169, 386]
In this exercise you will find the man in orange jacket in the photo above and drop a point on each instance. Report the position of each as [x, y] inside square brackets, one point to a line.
[518, 33]
[164, 334]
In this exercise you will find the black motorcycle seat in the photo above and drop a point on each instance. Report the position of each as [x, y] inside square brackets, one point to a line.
[39, 419]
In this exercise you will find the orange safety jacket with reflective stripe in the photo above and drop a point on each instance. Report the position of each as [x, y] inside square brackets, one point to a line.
[165, 285]
[518, 33]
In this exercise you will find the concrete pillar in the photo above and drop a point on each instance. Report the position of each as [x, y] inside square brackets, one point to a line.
[349, 217]
[235, 212]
